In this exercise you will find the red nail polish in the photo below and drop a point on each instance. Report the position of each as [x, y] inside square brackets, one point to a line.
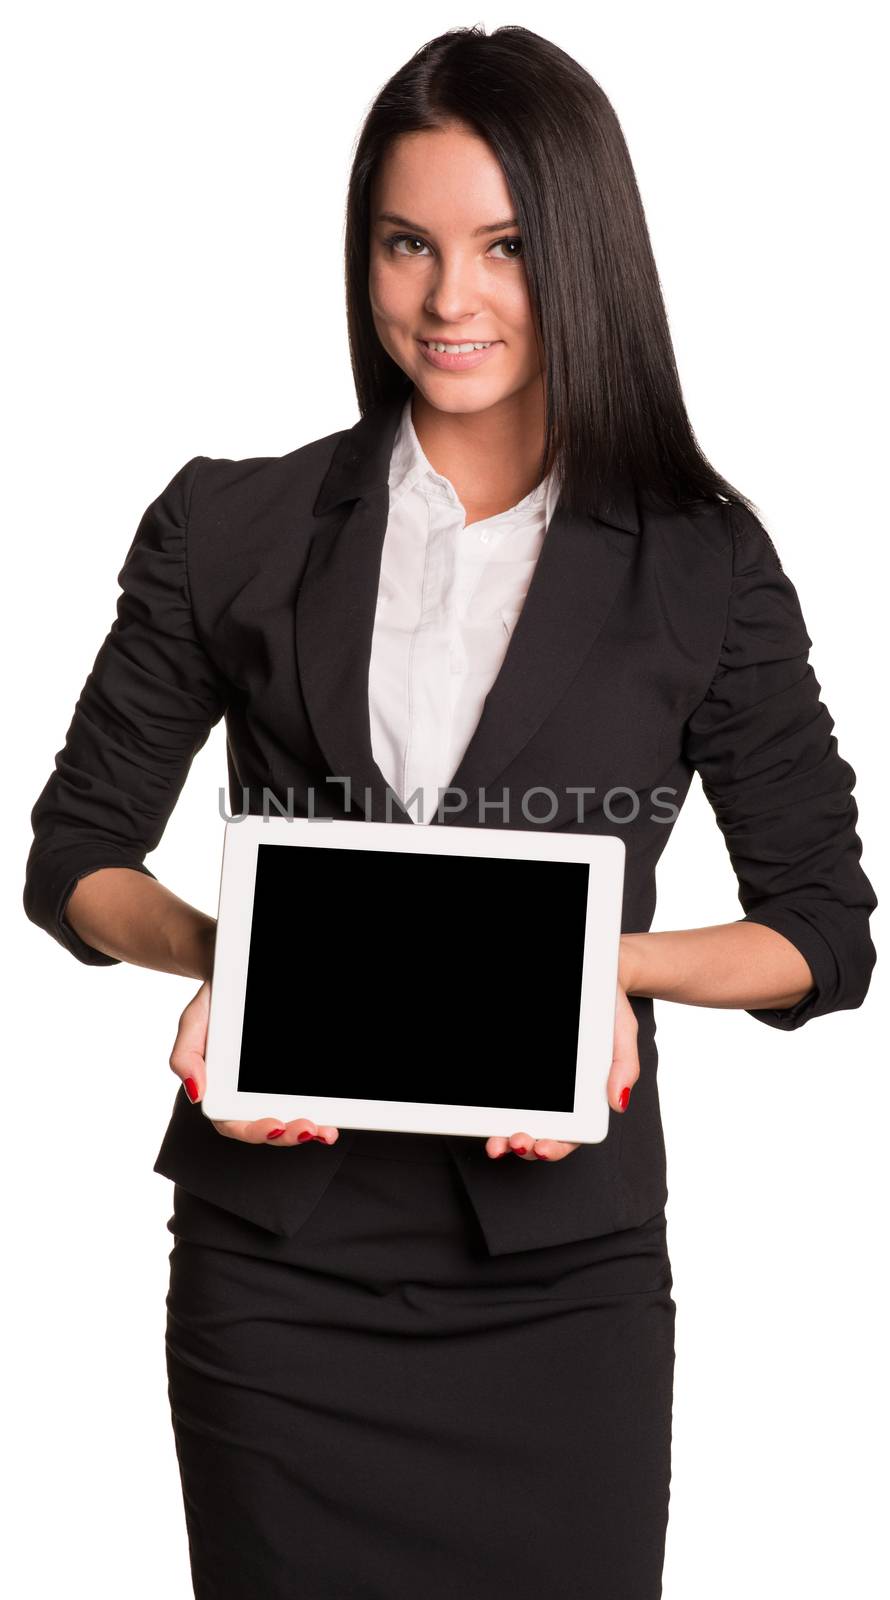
[519, 1150]
[275, 1134]
[624, 1097]
[302, 1137]
[540, 1157]
[191, 1089]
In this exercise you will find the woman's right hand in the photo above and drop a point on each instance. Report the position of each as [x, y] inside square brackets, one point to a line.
[187, 1062]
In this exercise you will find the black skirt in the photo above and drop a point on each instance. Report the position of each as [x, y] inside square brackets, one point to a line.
[376, 1408]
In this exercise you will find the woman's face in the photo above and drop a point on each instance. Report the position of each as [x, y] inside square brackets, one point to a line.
[443, 268]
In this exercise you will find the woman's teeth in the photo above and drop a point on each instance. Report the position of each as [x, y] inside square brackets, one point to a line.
[456, 349]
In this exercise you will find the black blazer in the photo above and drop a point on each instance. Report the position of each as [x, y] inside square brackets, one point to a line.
[651, 645]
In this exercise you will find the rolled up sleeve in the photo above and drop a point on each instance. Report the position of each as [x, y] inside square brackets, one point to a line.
[146, 709]
[763, 745]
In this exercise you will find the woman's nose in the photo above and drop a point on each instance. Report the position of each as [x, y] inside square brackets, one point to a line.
[454, 297]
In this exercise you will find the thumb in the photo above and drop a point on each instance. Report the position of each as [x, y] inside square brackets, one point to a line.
[187, 1055]
[625, 1068]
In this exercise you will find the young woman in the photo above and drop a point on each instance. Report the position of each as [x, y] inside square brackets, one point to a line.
[513, 594]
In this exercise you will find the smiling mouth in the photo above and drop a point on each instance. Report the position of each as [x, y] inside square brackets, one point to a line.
[458, 349]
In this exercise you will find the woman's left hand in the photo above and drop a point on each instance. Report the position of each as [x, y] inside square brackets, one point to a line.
[624, 1073]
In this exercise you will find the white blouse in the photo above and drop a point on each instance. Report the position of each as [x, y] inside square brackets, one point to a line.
[447, 603]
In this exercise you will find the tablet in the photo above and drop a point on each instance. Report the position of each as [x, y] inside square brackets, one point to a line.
[450, 980]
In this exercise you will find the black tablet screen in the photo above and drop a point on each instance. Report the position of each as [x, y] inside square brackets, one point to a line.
[390, 975]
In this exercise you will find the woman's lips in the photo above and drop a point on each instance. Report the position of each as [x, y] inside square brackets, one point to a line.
[458, 363]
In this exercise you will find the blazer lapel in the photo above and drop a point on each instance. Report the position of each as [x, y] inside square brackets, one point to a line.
[336, 606]
[583, 562]
[576, 579]
[334, 621]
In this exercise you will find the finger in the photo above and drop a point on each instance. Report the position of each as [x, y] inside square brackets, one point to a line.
[542, 1149]
[187, 1055]
[272, 1130]
[553, 1149]
[625, 1067]
[522, 1145]
[250, 1132]
[302, 1129]
[497, 1146]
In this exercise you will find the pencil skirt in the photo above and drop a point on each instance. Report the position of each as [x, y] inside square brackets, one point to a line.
[376, 1408]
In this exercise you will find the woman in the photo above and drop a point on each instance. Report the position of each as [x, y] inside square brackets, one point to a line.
[397, 1366]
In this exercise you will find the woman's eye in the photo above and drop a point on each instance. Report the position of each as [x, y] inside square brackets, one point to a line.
[404, 238]
[513, 254]
[513, 244]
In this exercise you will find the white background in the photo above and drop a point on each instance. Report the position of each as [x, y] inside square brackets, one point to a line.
[175, 183]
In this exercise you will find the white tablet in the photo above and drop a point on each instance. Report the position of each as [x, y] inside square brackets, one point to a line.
[414, 979]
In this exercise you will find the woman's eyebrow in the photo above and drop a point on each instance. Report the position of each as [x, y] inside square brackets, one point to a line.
[405, 222]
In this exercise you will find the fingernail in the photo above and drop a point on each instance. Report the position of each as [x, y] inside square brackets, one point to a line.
[624, 1097]
[302, 1137]
[541, 1157]
[519, 1150]
[191, 1089]
[275, 1134]
[498, 1153]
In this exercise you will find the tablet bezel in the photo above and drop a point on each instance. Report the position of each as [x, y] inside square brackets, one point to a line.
[586, 1124]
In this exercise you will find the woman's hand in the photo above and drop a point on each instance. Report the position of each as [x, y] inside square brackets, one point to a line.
[187, 1062]
[623, 1074]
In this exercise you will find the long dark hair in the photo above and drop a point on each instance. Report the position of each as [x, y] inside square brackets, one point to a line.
[614, 404]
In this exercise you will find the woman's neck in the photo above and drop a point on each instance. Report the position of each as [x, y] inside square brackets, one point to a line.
[491, 457]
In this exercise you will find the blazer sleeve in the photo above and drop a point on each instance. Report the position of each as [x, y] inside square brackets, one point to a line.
[145, 710]
[782, 794]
